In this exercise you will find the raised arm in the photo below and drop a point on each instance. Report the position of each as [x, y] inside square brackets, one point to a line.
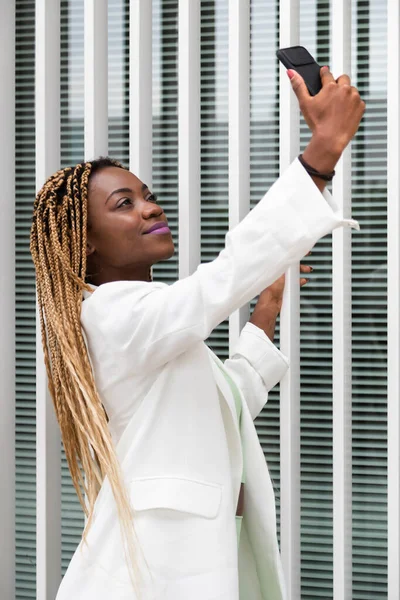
[149, 324]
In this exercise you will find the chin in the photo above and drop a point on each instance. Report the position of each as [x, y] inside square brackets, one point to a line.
[164, 255]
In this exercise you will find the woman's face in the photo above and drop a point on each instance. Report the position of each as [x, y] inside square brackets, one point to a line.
[127, 230]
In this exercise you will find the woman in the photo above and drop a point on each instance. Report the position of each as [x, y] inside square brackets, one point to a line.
[146, 410]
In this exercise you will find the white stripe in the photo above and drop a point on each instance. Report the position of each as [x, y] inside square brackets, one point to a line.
[140, 85]
[239, 131]
[7, 304]
[290, 331]
[189, 136]
[341, 336]
[393, 278]
[48, 452]
[96, 79]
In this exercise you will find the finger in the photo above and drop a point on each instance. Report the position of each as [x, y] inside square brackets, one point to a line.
[326, 76]
[299, 86]
[356, 92]
[306, 269]
[303, 282]
[343, 80]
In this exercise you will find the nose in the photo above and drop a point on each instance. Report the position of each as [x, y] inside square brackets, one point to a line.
[150, 209]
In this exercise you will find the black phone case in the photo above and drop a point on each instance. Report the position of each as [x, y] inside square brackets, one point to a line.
[300, 60]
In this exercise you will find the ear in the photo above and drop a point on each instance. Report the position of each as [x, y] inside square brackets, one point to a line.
[89, 249]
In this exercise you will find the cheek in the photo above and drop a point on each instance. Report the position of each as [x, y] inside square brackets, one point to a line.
[116, 232]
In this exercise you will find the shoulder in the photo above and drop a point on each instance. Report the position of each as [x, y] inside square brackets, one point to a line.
[116, 300]
[118, 290]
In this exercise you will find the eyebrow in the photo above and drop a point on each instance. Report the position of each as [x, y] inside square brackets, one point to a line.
[126, 191]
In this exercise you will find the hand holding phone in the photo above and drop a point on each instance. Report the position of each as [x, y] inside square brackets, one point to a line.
[300, 60]
[332, 108]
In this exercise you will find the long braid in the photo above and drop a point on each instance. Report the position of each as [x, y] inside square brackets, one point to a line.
[58, 248]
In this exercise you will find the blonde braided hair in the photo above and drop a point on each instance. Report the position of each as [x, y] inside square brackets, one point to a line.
[58, 248]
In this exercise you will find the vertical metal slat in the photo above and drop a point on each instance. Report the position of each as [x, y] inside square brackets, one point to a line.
[140, 90]
[7, 304]
[96, 79]
[189, 136]
[341, 291]
[393, 278]
[290, 331]
[239, 131]
[48, 457]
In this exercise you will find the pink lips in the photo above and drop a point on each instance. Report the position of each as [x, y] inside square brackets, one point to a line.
[160, 227]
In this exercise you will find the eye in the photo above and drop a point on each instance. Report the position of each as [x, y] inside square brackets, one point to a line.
[151, 198]
[124, 202]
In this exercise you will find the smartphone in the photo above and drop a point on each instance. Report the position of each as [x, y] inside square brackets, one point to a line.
[299, 59]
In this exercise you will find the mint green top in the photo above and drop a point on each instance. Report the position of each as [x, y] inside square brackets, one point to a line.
[238, 405]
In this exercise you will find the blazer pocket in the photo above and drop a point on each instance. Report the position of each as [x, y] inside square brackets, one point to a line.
[175, 493]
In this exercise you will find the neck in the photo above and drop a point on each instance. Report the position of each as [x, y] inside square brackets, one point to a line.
[108, 275]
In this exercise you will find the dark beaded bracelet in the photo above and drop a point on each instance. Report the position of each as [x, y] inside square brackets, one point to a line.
[313, 172]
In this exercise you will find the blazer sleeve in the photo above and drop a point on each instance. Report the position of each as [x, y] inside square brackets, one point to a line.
[149, 324]
[256, 366]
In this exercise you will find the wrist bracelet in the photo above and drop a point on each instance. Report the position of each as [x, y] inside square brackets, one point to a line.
[313, 172]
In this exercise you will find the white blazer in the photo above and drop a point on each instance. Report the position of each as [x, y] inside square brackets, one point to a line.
[173, 419]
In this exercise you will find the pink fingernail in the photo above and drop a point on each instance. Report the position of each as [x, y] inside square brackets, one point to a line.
[290, 73]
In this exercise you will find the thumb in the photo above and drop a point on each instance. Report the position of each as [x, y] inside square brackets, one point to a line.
[298, 85]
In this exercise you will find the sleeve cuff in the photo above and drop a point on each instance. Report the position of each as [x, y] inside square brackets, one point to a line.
[330, 203]
[256, 347]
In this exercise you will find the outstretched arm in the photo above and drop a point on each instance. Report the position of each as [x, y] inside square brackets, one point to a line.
[147, 325]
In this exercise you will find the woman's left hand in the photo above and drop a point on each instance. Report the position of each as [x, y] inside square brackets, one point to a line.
[273, 294]
[269, 302]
